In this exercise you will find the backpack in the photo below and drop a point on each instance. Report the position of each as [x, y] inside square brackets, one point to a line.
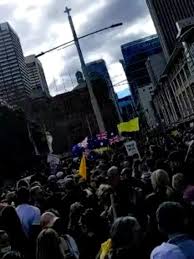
[69, 247]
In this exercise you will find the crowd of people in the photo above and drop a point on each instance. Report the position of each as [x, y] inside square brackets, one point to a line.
[129, 207]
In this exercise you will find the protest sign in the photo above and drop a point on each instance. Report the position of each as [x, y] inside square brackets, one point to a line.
[131, 148]
[53, 160]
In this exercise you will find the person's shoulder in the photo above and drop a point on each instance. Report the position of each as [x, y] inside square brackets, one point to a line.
[35, 209]
[167, 251]
[150, 196]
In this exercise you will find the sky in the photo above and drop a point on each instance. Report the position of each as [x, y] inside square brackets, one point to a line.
[42, 24]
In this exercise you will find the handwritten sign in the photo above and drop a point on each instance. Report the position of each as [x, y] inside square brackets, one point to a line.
[131, 148]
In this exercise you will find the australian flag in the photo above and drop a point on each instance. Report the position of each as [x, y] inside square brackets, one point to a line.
[114, 139]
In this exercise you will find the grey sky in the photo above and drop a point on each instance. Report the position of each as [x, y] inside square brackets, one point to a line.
[42, 25]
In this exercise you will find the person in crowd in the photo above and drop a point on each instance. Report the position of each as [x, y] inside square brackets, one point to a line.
[12, 255]
[161, 191]
[29, 215]
[10, 222]
[120, 191]
[178, 185]
[121, 197]
[49, 245]
[126, 238]
[68, 244]
[172, 219]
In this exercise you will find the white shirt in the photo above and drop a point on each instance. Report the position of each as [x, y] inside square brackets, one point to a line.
[167, 251]
[29, 216]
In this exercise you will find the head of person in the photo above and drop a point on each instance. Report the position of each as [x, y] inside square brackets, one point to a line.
[5, 244]
[48, 245]
[36, 193]
[126, 236]
[126, 173]
[89, 220]
[11, 197]
[175, 160]
[160, 180]
[76, 210]
[12, 255]
[103, 195]
[22, 183]
[113, 176]
[60, 175]
[178, 183]
[137, 169]
[9, 220]
[47, 219]
[23, 195]
[126, 164]
[171, 218]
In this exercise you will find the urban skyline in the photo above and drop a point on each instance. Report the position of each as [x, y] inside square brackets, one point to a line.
[45, 34]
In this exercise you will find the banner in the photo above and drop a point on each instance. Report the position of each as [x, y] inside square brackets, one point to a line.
[130, 126]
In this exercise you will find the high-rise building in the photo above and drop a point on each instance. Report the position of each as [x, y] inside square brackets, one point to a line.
[155, 65]
[36, 76]
[135, 55]
[97, 69]
[165, 14]
[14, 81]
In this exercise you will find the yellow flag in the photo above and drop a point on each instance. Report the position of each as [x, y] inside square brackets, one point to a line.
[105, 248]
[130, 126]
[82, 168]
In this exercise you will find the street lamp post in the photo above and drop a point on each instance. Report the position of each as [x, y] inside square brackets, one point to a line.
[71, 42]
[75, 41]
[94, 102]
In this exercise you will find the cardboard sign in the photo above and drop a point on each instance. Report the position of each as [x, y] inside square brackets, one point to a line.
[53, 160]
[131, 148]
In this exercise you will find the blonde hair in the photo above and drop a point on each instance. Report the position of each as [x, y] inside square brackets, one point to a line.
[160, 179]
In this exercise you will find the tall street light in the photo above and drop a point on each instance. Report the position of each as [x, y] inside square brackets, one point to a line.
[70, 43]
[75, 41]
[93, 99]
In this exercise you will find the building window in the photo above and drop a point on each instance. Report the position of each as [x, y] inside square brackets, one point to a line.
[187, 70]
[179, 80]
[182, 74]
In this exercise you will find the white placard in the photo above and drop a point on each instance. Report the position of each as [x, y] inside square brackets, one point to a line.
[131, 148]
[53, 161]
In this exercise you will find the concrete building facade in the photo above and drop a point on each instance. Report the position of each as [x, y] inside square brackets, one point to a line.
[37, 77]
[146, 94]
[174, 96]
[165, 14]
[155, 66]
[135, 55]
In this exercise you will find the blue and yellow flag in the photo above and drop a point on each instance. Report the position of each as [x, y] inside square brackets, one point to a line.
[130, 126]
[82, 168]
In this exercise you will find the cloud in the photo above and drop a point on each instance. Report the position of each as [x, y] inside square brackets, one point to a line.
[43, 24]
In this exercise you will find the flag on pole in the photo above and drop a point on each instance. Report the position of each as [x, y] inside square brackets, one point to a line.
[114, 139]
[84, 143]
[82, 168]
[102, 135]
[130, 126]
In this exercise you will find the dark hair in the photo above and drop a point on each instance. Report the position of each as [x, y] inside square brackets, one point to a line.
[23, 195]
[171, 217]
[126, 237]
[123, 232]
[10, 222]
[48, 245]
[12, 255]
